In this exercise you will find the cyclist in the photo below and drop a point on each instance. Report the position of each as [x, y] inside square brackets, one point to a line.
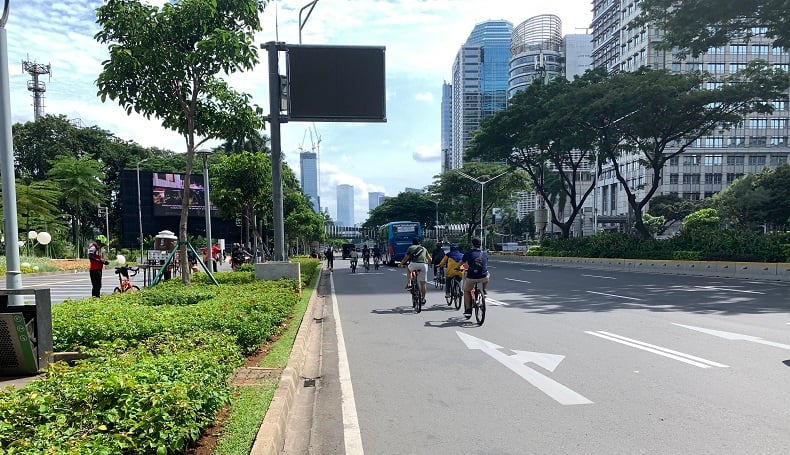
[452, 263]
[365, 255]
[475, 262]
[418, 258]
[437, 255]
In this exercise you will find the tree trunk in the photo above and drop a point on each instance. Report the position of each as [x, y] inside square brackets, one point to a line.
[182, 225]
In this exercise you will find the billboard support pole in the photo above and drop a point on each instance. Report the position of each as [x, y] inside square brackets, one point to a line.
[273, 49]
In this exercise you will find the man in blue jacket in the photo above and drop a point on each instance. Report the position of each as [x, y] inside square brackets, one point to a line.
[476, 263]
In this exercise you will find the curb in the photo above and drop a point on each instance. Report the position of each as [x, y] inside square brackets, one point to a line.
[270, 439]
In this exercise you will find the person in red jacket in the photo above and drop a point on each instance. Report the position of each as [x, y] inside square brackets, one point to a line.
[97, 263]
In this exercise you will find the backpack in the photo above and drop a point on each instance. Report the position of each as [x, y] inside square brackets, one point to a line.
[417, 254]
[476, 265]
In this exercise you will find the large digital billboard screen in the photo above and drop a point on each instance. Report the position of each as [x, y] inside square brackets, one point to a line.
[168, 194]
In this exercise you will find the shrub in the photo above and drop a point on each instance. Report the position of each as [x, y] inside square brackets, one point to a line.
[681, 255]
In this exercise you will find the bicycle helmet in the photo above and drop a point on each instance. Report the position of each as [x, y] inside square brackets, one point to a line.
[101, 238]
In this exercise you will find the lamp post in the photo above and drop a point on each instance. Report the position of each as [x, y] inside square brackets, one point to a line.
[482, 187]
[204, 153]
[140, 208]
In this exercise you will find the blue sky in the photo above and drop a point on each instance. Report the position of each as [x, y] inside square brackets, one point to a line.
[421, 39]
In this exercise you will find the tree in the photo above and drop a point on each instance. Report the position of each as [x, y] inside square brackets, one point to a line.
[534, 134]
[80, 181]
[406, 206]
[166, 63]
[37, 143]
[655, 116]
[461, 195]
[701, 220]
[671, 209]
[694, 26]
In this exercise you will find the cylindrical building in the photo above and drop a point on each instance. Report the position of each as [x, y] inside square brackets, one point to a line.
[536, 48]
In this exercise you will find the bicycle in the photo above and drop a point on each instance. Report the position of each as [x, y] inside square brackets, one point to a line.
[124, 283]
[479, 304]
[353, 266]
[416, 291]
[376, 263]
[456, 295]
[438, 278]
[366, 263]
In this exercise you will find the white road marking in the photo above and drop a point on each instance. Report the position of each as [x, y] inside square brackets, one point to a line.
[716, 288]
[515, 363]
[520, 281]
[351, 433]
[613, 295]
[599, 276]
[531, 270]
[735, 336]
[679, 356]
[495, 302]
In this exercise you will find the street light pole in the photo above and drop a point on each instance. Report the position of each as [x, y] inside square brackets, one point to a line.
[140, 209]
[209, 244]
[482, 187]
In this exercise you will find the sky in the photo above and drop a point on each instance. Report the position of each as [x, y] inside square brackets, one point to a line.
[421, 38]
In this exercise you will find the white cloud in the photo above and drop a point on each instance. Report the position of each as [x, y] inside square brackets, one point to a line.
[424, 96]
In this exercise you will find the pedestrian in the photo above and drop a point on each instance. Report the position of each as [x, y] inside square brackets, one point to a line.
[330, 258]
[97, 264]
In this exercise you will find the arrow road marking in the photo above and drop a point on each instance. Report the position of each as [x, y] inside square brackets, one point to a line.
[515, 363]
[685, 358]
[735, 336]
[520, 281]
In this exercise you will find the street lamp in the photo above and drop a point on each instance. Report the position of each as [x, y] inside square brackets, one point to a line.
[482, 186]
[204, 153]
[140, 209]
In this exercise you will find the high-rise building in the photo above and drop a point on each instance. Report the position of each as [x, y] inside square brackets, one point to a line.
[447, 126]
[308, 170]
[375, 198]
[714, 161]
[345, 205]
[480, 82]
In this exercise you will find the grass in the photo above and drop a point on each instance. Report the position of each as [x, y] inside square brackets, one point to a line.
[281, 349]
[249, 408]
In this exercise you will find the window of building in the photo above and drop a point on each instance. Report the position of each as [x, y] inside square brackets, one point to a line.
[676, 67]
[674, 179]
[735, 67]
[613, 196]
[760, 49]
[674, 161]
[779, 50]
[690, 160]
[713, 179]
[691, 196]
[781, 66]
[778, 140]
[714, 141]
[735, 160]
[757, 123]
[713, 85]
[691, 179]
[757, 141]
[691, 67]
[710, 194]
[779, 123]
[780, 105]
[757, 31]
[778, 160]
[733, 176]
[712, 160]
[757, 160]
[716, 50]
[738, 49]
[716, 68]
[735, 141]
[604, 199]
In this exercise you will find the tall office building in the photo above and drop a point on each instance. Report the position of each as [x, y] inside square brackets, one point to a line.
[375, 198]
[447, 126]
[480, 82]
[716, 160]
[345, 205]
[308, 170]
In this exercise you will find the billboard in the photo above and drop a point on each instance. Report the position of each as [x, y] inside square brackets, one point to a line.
[336, 83]
[168, 194]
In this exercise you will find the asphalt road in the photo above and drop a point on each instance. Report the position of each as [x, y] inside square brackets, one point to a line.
[72, 285]
[569, 361]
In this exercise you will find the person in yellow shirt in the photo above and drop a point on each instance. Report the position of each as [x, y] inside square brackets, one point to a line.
[452, 262]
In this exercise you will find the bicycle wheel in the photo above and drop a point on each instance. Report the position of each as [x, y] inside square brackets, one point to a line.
[416, 294]
[116, 290]
[480, 307]
[458, 295]
[135, 287]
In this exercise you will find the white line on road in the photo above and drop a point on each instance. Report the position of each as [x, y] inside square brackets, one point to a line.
[599, 276]
[494, 302]
[520, 281]
[613, 295]
[716, 288]
[680, 356]
[735, 336]
[530, 270]
[351, 433]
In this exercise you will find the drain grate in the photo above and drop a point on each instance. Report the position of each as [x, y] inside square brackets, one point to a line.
[309, 382]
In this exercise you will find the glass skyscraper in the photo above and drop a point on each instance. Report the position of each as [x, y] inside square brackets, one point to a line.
[480, 82]
[308, 168]
[345, 205]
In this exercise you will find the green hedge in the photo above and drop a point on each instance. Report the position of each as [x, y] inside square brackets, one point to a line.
[153, 398]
